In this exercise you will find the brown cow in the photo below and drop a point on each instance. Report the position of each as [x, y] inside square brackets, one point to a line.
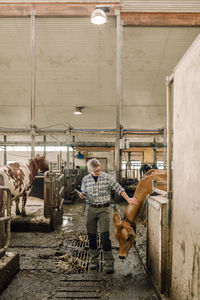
[19, 176]
[125, 228]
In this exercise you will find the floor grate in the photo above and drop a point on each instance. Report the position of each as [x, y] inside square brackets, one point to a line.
[78, 246]
[81, 241]
[79, 287]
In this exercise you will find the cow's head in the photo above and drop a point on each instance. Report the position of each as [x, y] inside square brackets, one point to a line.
[124, 234]
[41, 163]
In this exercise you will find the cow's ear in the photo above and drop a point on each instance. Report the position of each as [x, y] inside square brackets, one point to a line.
[116, 219]
[131, 232]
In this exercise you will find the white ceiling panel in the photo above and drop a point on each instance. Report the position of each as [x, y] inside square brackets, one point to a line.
[144, 117]
[93, 117]
[160, 5]
[149, 55]
[76, 65]
[15, 62]
[14, 116]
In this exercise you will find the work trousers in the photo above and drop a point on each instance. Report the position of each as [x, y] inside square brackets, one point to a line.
[101, 216]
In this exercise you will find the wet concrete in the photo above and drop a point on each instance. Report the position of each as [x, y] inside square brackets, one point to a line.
[49, 270]
[34, 221]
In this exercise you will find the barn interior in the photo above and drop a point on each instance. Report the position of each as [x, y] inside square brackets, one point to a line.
[72, 90]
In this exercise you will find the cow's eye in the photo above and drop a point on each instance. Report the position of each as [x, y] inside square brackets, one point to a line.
[128, 239]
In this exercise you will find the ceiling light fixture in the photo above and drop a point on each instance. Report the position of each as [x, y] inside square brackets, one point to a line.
[78, 110]
[98, 16]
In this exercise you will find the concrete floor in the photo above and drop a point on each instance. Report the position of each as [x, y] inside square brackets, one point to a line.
[44, 276]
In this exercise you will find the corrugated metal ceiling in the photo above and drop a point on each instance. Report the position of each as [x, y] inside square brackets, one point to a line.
[15, 75]
[150, 54]
[75, 65]
[160, 5]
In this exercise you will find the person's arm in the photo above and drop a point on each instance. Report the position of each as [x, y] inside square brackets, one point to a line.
[119, 189]
[131, 201]
[82, 194]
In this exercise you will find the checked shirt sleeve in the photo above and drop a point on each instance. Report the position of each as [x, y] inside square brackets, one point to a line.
[84, 186]
[115, 185]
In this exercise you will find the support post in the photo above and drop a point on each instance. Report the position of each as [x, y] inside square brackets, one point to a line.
[68, 140]
[154, 156]
[119, 31]
[32, 125]
[169, 82]
[59, 160]
[45, 152]
[5, 151]
[73, 154]
[165, 148]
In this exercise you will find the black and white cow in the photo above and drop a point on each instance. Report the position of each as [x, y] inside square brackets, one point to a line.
[18, 176]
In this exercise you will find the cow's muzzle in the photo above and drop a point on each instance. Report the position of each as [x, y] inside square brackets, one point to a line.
[121, 256]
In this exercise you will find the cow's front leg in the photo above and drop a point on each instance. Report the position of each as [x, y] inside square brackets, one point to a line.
[17, 211]
[23, 205]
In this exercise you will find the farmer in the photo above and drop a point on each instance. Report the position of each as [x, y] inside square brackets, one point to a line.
[96, 189]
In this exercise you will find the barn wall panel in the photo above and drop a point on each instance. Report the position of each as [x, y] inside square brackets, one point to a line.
[186, 204]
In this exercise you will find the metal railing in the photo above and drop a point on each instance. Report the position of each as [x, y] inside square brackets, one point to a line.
[53, 192]
[5, 216]
[159, 191]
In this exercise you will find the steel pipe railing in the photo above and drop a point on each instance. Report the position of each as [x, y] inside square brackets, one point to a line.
[6, 218]
[159, 191]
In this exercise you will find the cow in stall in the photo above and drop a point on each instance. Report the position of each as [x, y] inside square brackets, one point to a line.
[18, 176]
[125, 228]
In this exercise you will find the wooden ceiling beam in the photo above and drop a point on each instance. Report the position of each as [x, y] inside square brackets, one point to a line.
[180, 19]
[53, 9]
[166, 19]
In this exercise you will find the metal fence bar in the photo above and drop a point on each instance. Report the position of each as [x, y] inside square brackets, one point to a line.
[156, 190]
[6, 219]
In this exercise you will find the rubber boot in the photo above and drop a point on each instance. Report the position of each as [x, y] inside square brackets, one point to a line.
[108, 262]
[94, 262]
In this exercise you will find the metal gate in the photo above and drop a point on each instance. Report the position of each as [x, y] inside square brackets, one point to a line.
[5, 217]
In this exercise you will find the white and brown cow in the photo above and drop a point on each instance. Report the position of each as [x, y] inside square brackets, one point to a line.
[19, 176]
[125, 228]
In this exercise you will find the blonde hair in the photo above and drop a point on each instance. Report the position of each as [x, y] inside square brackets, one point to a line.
[92, 164]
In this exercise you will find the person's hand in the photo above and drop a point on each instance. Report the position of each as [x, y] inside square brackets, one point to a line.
[81, 195]
[133, 201]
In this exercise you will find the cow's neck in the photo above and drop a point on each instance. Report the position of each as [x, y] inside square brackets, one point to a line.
[133, 211]
[144, 187]
[33, 167]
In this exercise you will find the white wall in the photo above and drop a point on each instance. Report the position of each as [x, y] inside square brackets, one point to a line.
[52, 157]
[186, 182]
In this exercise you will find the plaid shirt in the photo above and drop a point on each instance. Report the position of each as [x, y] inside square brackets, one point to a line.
[100, 192]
